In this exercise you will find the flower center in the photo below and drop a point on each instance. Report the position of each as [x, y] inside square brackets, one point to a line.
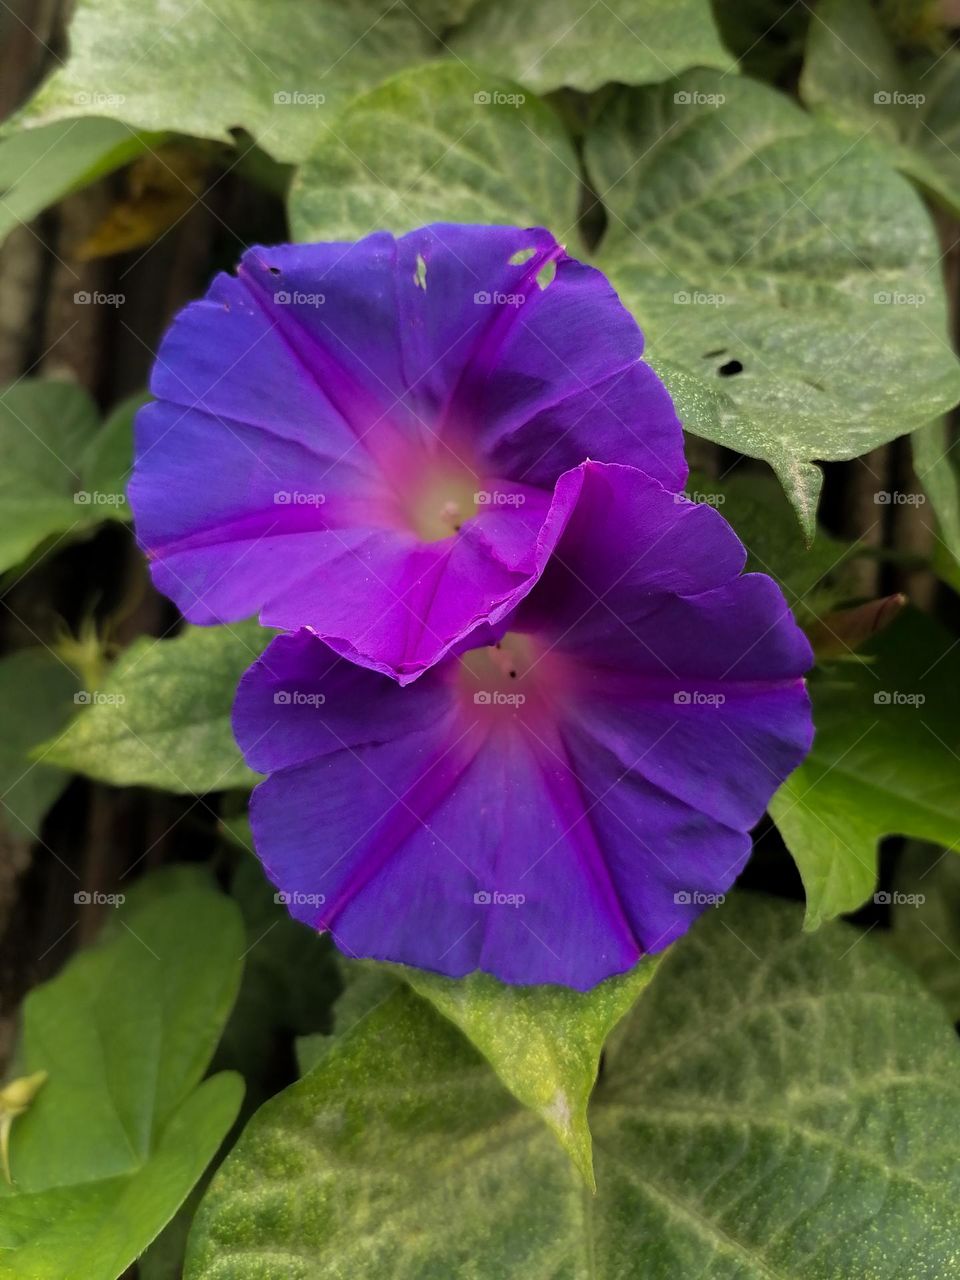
[515, 679]
[440, 497]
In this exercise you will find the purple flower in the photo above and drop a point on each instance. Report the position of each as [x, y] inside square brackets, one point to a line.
[565, 796]
[365, 438]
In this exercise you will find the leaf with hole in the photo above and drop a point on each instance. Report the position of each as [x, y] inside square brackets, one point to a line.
[787, 280]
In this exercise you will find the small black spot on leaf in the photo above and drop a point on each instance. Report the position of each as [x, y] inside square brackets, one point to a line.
[730, 368]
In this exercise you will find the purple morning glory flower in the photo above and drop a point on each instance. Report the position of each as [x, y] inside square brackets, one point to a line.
[568, 794]
[365, 438]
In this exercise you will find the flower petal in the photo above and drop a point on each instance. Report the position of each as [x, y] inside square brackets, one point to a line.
[300, 404]
[585, 811]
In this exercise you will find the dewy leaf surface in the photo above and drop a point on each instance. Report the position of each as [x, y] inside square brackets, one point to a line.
[777, 1105]
[162, 718]
[442, 142]
[547, 46]
[276, 68]
[543, 1042]
[787, 279]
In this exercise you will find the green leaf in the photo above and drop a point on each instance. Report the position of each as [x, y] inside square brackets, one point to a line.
[439, 142]
[925, 919]
[883, 762]
[543, 1042]
[277, 69]
[365, 985]
[108, 459]
[40, 166]
[51, 441]
[162, 718]
[766, 36]
[777, 1105]
[290, 978]
[36, 693]
[566, 43]
[120, 1131]
[937, 472]
[910, 112]
[813, 577]
[787, 280]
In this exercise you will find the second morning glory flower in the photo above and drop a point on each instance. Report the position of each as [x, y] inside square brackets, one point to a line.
[565, 795]
[364, 439]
